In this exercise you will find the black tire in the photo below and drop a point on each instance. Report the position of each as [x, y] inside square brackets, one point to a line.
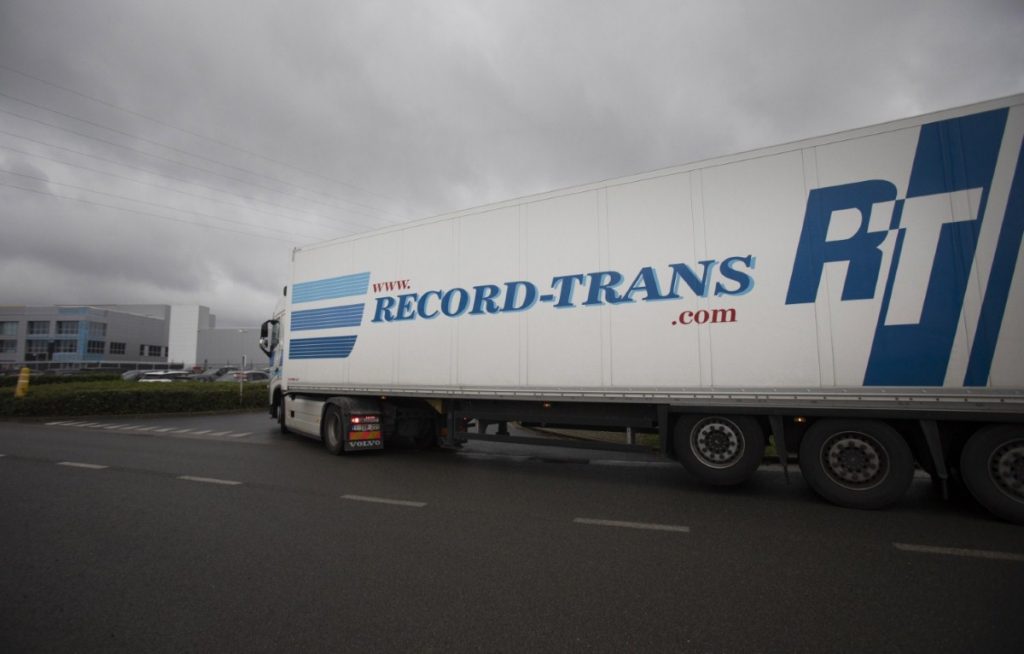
[992, 467]
[280, 416]
[333, 430]
[719, 450]
[861, 464]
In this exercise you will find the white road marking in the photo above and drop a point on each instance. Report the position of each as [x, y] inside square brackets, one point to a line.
[631, 525]
[62, 422]
[239, 434]
[75, 464]
[220, 433]
[113, 427]
[160, 431]
[211, 480]
[129, 427]
[181, 431]
[87, 424]
[146, 428]
[958, 551]
[381, 500]
[205, 431]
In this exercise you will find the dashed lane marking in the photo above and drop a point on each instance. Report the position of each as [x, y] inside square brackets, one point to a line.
[211, 480]
[160, 431]
[145, 428]
[220, 433]
[181, 431]
[239, 434]
[958, 551]
[205, 431]
[76, 464]
[383, 500]
[631, 525]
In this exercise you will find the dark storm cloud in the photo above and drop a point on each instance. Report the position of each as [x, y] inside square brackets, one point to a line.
[293, 122]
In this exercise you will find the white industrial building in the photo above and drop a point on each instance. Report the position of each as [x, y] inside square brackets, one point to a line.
[122, 336]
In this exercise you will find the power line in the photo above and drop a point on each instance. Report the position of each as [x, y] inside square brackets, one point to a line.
[146, 213]
[153, 171]
[186, 152]
[196, 134]
[152, 204]
[159, 186]
[187, 165]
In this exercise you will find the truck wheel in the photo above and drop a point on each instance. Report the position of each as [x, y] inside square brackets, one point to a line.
[861, 464]
[992, 467]
[280, 415]
[333, 430]
[719, 450]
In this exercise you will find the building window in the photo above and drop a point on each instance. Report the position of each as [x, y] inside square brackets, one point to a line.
[9, 328]
[97, 330]
[117, 348]
[8, 345]
[67, 327]
[36, 347]
[38, 327]
[142, 350]
[153, 350]
[65, 345]
[95, 347]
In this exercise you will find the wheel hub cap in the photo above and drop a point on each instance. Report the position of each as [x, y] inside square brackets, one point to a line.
[717, 442]
[1007, 469]
[855, 460]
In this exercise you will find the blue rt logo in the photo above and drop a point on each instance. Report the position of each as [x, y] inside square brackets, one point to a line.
[937, 223]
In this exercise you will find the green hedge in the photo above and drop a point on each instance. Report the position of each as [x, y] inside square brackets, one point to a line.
[124, 398]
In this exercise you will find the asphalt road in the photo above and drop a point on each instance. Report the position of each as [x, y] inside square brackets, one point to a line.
[214, 533]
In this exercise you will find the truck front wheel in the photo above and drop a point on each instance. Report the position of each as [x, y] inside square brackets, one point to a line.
[861, 464]
[279, 410]
[719, 450]
[333, 430]
[992, 467]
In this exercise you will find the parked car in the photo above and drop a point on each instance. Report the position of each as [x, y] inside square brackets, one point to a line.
[133, 375]
[244, 376]
[166, 376]
[213, 374]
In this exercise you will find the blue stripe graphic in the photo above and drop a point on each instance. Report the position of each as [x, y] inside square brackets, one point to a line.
[332, 347]
[335, 287]
[349, 315]
[952, 155]
[1005, 263]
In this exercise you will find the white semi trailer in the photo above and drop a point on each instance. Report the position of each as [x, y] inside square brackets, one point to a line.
[859, 297]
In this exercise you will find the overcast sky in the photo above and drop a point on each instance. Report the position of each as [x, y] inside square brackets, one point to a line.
[173, 152]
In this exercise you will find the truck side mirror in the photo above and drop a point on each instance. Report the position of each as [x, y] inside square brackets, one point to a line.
[268, 337]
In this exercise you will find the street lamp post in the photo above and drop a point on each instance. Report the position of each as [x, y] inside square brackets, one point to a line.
[241, 367]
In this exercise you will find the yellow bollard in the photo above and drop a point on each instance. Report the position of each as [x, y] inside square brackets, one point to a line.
[21, 390]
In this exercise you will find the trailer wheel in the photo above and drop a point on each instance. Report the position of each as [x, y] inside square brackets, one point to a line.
[333, 430]
[861, 464]
[719, 450]
[992, 467]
